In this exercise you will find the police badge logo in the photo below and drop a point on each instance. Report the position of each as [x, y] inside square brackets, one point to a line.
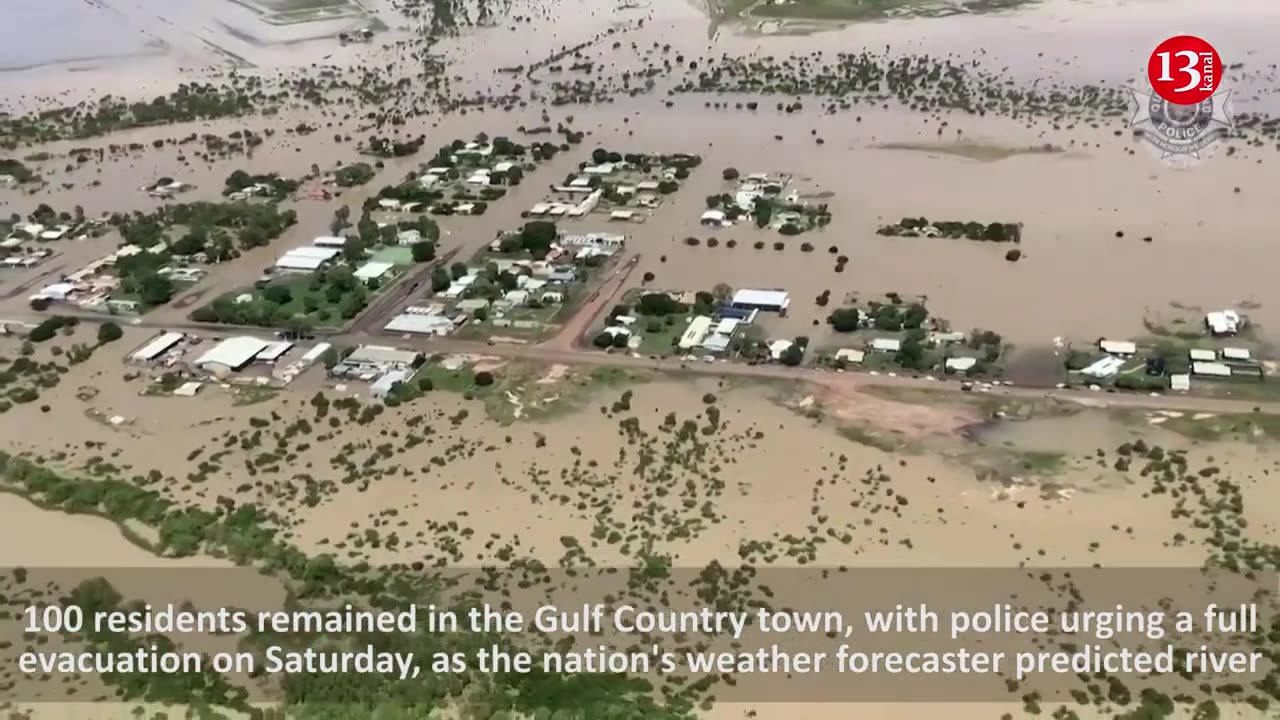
[1187, 109]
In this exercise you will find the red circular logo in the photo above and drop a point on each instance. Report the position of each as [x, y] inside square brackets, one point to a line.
[1184, 70]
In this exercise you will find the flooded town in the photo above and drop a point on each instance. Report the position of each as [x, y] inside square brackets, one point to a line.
[752, 306]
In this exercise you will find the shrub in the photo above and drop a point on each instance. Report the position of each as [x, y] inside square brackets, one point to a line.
[484, 378]
[730, 173]
[603, 340]
[692, 241]
[759, 245]
[1013, 255]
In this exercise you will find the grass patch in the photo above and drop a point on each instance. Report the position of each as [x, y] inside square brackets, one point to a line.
[863, 435]
[1252, 427]
[253, 395]
[1040, 462]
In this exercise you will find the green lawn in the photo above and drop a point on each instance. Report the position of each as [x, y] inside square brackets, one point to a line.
[397, 255]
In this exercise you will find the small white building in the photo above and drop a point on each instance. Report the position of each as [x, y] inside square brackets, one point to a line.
[606, 240]
[1223, 322]
[775, 300]
[1180, 382]
[886, 344]
[1199, 355]
[778, 347]
[713, 217]
[850, 356]
[1210, 369]
[373, 270]
[1104, 368]
[1117, 347]
[408, 237]
[695, 332]
[382, 386]
[329, 241]
[1238, 354]
[960, 364]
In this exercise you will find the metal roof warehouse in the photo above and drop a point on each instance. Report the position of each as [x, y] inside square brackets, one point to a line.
[381, 355]
[233, 353]
[158, 346]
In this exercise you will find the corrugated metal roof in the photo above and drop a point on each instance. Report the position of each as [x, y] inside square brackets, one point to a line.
[274, 350]
[156, 347]
[382, 353]
[234, 352]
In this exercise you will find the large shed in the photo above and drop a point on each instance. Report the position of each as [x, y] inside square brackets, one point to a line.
[231, 354]
[774, 300]
[157, 347]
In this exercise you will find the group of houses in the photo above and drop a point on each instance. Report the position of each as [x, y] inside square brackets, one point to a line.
[1208, 363]
[625, 192]
[323, 253]
[242, 359]
[711, 334]
[92, 287]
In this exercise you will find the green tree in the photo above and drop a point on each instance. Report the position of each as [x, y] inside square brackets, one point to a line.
[844, 320]
[536, 237]
[620, 340]
[911, 354]
[458, 270]
[109, 332]
[423, 251]
[603, 340]
[278, 294]
[762, 212]
[353, 250]
[440, 280]
[792, 356]
[155, 289]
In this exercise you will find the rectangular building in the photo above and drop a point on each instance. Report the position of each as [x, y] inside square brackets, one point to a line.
[231, 354]
[157, 347]
[1118, 347]
[1210, 369]
[772, 300]
[695, 333]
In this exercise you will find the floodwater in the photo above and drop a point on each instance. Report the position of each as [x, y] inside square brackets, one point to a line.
[1078, 278]
[195, 32]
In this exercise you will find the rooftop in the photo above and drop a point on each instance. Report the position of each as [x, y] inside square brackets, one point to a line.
[235, 352]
